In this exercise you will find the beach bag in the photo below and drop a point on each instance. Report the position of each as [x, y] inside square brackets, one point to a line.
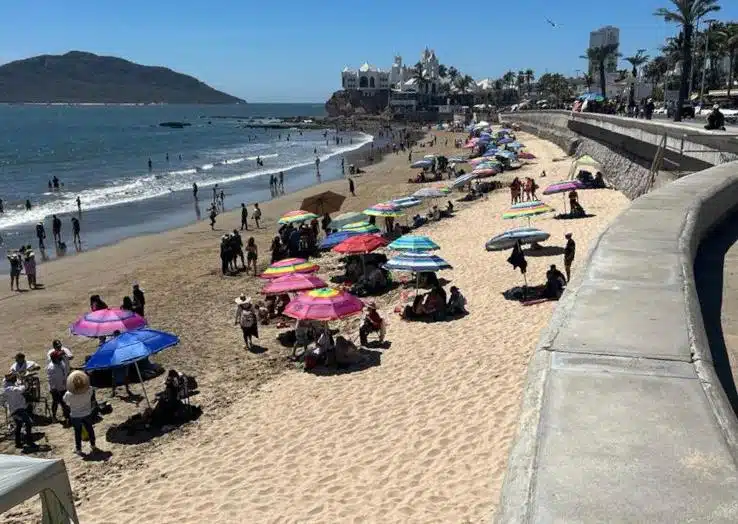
[247, 319]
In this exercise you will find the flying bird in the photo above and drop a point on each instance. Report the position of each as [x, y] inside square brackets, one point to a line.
[553, 24]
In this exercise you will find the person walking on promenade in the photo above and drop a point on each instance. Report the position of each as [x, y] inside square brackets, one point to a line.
[569, 252]
[244, 217]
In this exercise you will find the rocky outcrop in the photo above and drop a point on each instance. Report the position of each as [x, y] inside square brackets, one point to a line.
[352, 102]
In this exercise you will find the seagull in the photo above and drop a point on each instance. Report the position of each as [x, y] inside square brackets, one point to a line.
[553, 24]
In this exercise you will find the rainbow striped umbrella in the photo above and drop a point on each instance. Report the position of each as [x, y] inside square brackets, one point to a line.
[323, 304]
[287, 266]
[360, 227]
[384, 209]
[442, 187]
[298, 215]
[414, 243]
[527, 210]
[292, 282]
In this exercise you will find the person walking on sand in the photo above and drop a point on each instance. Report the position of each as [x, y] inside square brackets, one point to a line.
[56, 229]
[56, 374]
[317, 166]
[252, 253]
[222, 200]
[244, 217]
[281, 181]
[75, 232]
[569, 252]
[215, 194]
[213, 214]
[246, 319]
[79, 399]
[16, 266]
[257, 215]
[29, 265]
[343, 170]
[351, 187]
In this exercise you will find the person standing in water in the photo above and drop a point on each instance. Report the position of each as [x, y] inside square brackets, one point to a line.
[75, 233]
[151, 166]
[79, 205]
[1, 207]
[56, 228]
[317, 166]
[194, 190]
[281, 181]
[28, 205]
[215, 194]
[41, 235]
[167, 157]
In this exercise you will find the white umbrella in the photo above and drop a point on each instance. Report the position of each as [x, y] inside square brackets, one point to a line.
[463, 180]
[429, 192]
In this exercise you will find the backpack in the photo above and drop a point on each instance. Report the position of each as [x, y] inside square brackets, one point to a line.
[247, 318]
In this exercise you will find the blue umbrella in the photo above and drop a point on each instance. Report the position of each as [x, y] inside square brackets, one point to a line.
[490, 152]
[405, 202]
[421, 163]
[336, 238]
[129, 348]
[505, 140]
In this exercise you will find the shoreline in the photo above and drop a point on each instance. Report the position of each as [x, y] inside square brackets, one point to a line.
[422, 436]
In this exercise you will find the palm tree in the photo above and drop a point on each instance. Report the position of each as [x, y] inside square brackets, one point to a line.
[529, 77]
[453, 73]
[731, 46]
[421, 80]
[463, 82]
[508, 79]
[656, 69]
[600, 55]
[442, 71]
[686, 14]
[636, 61]
[588, 79]
[520, 81]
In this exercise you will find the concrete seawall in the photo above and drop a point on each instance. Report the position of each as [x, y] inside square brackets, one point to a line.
[623, 417]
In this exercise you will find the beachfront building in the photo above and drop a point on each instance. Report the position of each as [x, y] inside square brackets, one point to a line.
[367, 78]
[601, 37]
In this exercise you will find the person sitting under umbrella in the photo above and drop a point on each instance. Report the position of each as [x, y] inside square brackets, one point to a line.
[168, 408]
[456, 302]
[371, 323]
[555, 283]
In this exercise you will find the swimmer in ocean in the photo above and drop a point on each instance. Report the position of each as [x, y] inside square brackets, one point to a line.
[150, 165]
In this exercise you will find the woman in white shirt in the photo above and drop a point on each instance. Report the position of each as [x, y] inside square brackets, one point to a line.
[79, 399]
[56, 373]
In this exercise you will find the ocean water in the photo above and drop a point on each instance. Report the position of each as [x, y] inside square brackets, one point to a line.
[100, 154]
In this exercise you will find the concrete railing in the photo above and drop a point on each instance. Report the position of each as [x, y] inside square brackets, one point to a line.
[623, 416]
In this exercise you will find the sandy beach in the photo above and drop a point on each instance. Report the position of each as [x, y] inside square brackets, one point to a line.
[422, 437]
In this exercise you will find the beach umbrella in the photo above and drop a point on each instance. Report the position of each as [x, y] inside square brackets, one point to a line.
[418, 164]
[414, 243]
[486, 171]
[443, 187]
[563, 187]
[458, 159]
[526, 155]
[336, 238]
[291, 283]
[105, 322]
[406, 202]
[417, 263]
[527, 210]
[129, 348]
[341, 220]
[360, 244]
[384, 209]
[322, 203]
[360, 227]
[524, 235]
[429, 157]
[429, 192]
[299, 215]
[287, 266]
[323, 304]
[463, 180]
[507, 155]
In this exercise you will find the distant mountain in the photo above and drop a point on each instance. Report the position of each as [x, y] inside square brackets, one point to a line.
[78, 77]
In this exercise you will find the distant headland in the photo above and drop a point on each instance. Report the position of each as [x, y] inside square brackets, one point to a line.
[78, 77]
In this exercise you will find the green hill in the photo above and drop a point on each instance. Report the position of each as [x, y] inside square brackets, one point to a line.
[78, 77]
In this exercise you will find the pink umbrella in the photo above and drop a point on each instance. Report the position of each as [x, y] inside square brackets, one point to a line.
[291, 283]
[323, 304]
[105, 322]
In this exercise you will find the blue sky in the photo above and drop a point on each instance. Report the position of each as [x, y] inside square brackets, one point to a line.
[293, 50]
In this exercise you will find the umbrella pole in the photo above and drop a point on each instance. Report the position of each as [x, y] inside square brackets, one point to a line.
[563, 195]
[140, 378]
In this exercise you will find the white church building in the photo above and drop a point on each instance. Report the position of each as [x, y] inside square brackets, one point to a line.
[400, 77]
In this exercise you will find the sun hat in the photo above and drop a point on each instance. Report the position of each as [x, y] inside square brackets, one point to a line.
[242, 299]
[78, 382]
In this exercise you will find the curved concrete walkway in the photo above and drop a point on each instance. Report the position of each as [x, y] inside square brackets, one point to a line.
[624, 418]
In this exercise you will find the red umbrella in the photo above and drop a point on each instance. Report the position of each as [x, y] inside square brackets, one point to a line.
[360, 244]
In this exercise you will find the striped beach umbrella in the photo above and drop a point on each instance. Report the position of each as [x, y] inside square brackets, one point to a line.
[527, 210]
[442, 187]
[384, 209]
[508, 239]
[341, 220]
[429, 192]
[361, 227]
[563, 187]
[406, 202]
[463, 180]
[298, 215]
[287, 266]
[323, 304]
[105, 322]
[414, 243]
[417, 262]
[292, 282]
